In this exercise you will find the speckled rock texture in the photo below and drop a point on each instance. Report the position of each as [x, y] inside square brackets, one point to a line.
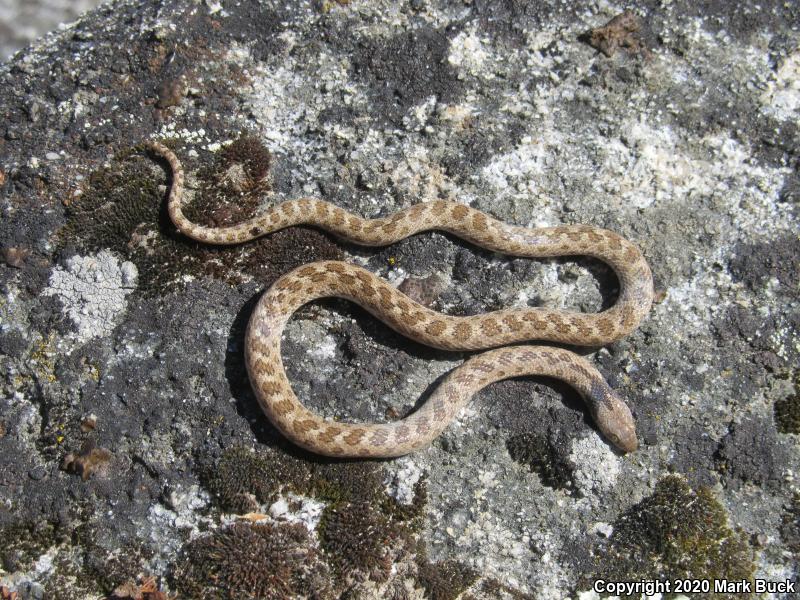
[134, 461]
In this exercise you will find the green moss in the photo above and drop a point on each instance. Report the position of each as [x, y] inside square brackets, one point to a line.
[676, 533]
[787, 411]
[541, 457]
[258, 561]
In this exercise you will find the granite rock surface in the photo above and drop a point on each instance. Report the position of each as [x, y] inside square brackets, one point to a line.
[134, 461]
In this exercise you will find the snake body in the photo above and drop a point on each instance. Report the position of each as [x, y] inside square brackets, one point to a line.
[491, 330]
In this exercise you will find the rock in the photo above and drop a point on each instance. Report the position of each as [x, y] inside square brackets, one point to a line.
[121, 336]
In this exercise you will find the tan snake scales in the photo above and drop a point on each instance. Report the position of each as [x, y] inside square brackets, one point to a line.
[498, 328]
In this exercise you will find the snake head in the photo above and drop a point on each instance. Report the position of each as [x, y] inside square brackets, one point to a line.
[613, 417]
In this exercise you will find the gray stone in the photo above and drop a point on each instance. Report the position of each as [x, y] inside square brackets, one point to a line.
[685, 142]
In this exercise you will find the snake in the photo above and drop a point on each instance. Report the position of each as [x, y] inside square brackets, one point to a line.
[501, 333]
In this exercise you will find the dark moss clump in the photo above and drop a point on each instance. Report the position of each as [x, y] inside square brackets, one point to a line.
[496, 589]
[787, 411]
[119, 201]
[347, 482]
[258, 561]
[98, 572]
[790, 527]
[280, 252]
[413, 512]
[253, 156]
[110, 569]
[362, 532]
[359, 541]
[123, 209]
[676, 533]
[231, 188]
[63, 584]
[23, 543]
[445, 580]
[242, 479]
[542, 458]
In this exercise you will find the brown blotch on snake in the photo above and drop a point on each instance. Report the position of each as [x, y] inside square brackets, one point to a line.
[325, 278]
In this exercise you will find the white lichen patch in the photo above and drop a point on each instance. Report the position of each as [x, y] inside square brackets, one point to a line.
[400, 482]
[292, 508]
[518, 171]
[654, 165]
[181, 514]
[468, 53]
[550, 579]
[192, 137]
[500, 546]
[319, 344]
[324, 350]
[93, 290]
[185, 502]
[748, 190]
[781, 99]
[215, 7]
[420, 177]
[596, 466]
[286, 99]
[684, 302]
[648, 164]
[29, 580]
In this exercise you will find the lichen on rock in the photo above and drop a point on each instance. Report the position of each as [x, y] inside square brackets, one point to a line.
[93, 291]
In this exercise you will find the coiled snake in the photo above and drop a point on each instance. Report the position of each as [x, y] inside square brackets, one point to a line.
[490, 330]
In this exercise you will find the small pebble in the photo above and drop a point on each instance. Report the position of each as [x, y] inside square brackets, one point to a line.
[88, 423]
[170, 93]
[15, 257]
[37, 473]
